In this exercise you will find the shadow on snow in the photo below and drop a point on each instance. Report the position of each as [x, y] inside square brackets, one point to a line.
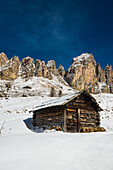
[29, 125]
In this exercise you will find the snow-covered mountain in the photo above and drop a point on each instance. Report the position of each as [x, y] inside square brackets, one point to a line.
[29, 79]
[84, 73]
[34, 86]
[21, 147]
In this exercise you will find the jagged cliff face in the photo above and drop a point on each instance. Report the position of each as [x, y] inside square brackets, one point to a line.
[29, 79]
[45, 70]
[85, 74]
[82, 72]
[3, 59]
[41, 68]
[13, 68]
[61, 70]
[100, 74]
[27, 67]
[9, 68]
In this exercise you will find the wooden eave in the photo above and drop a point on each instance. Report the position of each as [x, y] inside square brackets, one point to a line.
[69, 100]
[91, 97]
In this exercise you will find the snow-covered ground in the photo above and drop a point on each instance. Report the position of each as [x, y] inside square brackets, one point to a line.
[34, 86]
[22, 149]
[106, 102]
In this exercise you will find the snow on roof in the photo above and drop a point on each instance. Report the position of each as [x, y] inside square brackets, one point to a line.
[63, 100]
[56, 102]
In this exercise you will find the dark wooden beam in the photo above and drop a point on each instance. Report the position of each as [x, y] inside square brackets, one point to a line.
[78, 120]
[65, 121]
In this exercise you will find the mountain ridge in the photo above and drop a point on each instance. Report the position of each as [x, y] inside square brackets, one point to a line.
[84, 72]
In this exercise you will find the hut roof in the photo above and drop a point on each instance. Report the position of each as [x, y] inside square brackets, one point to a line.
[60, 101]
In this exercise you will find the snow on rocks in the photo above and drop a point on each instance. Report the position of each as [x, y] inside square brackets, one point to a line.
[83, 57]
[39, 86]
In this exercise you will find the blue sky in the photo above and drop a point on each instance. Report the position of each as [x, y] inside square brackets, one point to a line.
[57, 29]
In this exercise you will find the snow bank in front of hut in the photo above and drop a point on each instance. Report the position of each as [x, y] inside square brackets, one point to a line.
[21, 148]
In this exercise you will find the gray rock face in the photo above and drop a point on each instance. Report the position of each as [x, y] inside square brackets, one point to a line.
[51, 65]
[108, 74]
[82, 72]
[46, 70]
[27, 67]
[9, 68]
[3, 59]
[61, 70]
[85, 74]
[100, 74]
[40, 69]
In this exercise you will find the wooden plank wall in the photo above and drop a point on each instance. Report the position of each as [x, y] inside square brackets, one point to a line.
[49, 118]
[71, 119]
[89, 116]
[78, 113]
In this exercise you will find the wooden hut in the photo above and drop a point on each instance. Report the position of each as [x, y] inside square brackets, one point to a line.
[78, 112]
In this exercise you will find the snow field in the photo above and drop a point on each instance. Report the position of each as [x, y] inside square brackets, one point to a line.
[22, 149]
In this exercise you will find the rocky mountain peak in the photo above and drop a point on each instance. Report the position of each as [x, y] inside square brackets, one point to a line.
[83, 59]
[85, 74]
[82, 72]
[27, 67]
[51, 65]
[9, 68]
[107, 65]
[3, 59]
[61, 70]
[40, 68]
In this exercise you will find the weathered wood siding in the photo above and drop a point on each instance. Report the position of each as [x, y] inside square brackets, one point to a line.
[89, 116]
[79, 113]
[71, 119]
[49, 118]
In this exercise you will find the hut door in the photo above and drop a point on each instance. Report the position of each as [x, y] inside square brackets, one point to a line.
[72, 120]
